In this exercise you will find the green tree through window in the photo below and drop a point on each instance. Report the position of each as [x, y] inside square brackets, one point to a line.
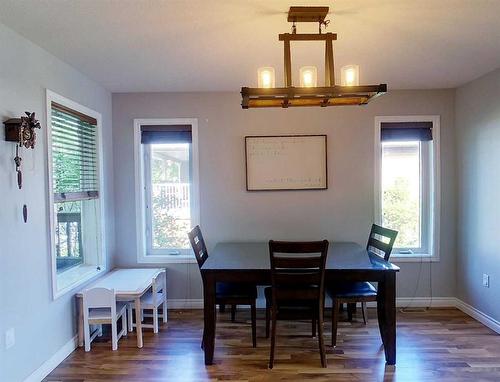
[401, 212]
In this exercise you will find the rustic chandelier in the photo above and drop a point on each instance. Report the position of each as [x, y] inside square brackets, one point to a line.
[308, 93]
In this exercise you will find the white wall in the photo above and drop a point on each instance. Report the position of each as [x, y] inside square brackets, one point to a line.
[42, 325]
[229, 212]
[478, 161]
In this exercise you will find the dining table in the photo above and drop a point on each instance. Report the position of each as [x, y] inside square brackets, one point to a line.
[249, 262]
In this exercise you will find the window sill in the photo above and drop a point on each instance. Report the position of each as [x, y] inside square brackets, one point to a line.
[72, 278]
[166, 259]
[422, 258]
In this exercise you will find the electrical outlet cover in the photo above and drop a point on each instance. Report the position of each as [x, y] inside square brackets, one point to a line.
[486, 280]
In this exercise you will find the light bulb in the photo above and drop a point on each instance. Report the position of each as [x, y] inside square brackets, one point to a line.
[350, 75]
[308, 76]
[266, 77]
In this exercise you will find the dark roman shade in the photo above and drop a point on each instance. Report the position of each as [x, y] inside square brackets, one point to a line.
[74, 155]
[406, 131]
[165, 134]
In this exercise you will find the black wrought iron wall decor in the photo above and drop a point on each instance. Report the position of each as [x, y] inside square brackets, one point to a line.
[22, 132]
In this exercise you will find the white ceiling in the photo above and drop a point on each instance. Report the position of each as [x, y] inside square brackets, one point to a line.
[217, 45]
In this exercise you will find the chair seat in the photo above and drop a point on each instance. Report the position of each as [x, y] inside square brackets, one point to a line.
[105, 313]
[352, 290]
[235, 290]
[147, 300]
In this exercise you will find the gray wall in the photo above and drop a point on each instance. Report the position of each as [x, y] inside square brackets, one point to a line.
[228, 212]
[478, 161]
[42, 325]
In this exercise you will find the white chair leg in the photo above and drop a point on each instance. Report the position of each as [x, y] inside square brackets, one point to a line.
[99, 333]
[124, 323]
[86, 334]
[114, 335]
[155, 320]
[130, 321]
[142, 315]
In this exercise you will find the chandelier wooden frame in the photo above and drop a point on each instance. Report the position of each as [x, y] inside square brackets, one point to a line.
[328, 95]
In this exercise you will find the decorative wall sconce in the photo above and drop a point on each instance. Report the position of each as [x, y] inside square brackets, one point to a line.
[22, 132]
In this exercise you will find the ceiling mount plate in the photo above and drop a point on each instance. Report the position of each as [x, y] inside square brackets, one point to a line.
[307, 14]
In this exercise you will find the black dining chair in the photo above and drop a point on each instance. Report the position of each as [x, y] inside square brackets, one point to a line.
[226, 293]
[297, 291]
[380, 242]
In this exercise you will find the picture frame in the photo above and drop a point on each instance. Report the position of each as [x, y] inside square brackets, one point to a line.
[286, 162]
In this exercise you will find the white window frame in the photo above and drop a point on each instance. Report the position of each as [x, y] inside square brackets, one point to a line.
[82, 273]
[433, 228]
[140, 187]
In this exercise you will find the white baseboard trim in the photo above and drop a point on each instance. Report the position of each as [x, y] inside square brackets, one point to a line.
[426, 302]
[401, 302]
[53, 361]
[196, 303]
[417, 302]
[483, 318]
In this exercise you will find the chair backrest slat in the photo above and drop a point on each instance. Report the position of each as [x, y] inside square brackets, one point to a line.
[159, 284]
[198, 245]
[375, 243]
[303, 247]
[99, 298]
[304, 270]
[380, 245]
[297, 262]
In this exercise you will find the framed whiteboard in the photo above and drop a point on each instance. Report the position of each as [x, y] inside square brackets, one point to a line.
[286, 162]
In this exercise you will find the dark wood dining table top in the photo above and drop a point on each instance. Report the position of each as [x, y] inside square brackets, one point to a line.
[342, 256]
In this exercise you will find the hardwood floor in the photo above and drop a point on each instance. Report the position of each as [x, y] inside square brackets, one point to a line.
[436, 345]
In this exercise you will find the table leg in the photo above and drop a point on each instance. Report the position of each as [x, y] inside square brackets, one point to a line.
[386, 311]
[138, 323]
[209, 318]
[79, 307]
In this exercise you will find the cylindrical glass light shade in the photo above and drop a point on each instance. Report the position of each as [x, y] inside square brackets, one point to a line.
[308, 76]
[350, 75]
[266, 77]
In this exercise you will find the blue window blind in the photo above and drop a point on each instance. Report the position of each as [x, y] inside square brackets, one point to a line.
[166, 134]
[406, 131]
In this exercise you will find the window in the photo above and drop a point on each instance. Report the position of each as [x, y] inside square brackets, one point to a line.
[167, 168]
[407, 199]
[74, 184]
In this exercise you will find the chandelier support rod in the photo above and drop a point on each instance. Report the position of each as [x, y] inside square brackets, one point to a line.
[287, 63]
[329, 63]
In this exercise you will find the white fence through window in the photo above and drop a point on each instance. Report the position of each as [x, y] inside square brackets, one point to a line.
[175, 197]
